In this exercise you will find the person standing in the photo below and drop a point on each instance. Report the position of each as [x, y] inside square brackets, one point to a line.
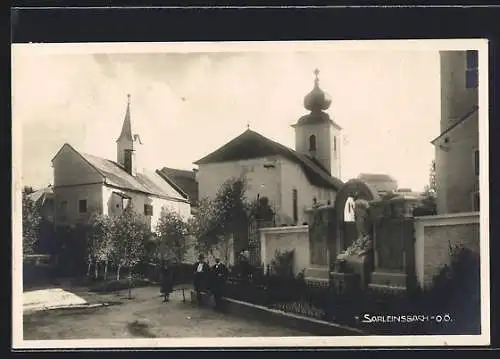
[201, 270]
[167, 281]
[220, 273]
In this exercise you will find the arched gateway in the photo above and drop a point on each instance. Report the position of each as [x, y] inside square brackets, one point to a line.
[346, 231]
[333, 228]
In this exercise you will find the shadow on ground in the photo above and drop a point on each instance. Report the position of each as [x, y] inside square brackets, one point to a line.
[138, 329]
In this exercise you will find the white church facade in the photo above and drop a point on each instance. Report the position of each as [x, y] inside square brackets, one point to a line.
[293, 180]
[85, 184]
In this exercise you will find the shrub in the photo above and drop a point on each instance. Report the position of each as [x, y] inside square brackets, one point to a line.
[458, 280]
[282, 263]
[456, 290]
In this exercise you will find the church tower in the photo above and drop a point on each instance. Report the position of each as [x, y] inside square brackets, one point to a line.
[316, 135]
[127, 145]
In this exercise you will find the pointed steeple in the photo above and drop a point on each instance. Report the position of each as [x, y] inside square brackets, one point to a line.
[126, 133]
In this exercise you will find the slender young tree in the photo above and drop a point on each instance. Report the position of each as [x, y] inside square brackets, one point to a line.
[100, 243]
[172, 233]
[129, 234]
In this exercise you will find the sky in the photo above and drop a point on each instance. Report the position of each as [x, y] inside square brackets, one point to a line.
[186, 105]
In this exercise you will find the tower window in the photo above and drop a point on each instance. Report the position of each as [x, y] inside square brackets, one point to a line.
[471, 73]
[335, 143]
[312, 143]
[295, 206]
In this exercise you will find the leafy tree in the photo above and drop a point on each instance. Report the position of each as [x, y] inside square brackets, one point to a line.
[218, 219]
[31, 224]
[129, 235]
[100, 242]
[172, 234]
[204, 226]
[261, 210]
[231, 206]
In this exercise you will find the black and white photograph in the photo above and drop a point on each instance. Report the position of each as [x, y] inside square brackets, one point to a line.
[313, 193]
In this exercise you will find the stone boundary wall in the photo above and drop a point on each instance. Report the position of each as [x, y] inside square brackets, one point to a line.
[285, 239]
[433, 237]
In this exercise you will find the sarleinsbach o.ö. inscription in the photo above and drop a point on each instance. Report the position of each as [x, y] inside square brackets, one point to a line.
[370, 318]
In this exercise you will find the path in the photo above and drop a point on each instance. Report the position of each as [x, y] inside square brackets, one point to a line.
[144, 316]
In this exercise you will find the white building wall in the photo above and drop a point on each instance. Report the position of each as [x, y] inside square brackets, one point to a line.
[112, 205]
[276, 183]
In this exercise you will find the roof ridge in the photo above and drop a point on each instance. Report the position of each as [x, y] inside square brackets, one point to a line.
[268, 145]
[466, 116]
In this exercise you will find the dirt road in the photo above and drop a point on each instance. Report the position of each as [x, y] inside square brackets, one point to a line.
[145, 316]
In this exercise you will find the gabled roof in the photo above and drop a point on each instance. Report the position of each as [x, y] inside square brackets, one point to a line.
[251, 144]
[182, 179]
[41, 195]
[148, 182]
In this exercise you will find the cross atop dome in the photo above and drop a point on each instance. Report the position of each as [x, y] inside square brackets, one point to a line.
[317, 99]
[316, 74]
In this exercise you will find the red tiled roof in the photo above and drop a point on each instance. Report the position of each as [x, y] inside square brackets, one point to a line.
[251, 144]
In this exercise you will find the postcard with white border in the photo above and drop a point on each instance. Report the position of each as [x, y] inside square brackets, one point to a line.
[310, 194]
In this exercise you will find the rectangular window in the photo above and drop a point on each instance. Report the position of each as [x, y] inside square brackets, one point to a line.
[295, 206]
[471, 72]
[476, 162]
[148, 210]
[82, 206]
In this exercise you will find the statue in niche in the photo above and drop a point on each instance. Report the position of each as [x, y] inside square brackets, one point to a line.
[363, 243]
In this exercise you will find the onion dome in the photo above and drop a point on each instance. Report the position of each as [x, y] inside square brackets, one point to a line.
[317, 99]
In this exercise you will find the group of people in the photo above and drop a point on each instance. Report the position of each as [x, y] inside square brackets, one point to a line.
[212, 279]
[206, 278]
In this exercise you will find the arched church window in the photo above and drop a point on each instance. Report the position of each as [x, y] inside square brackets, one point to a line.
[312, 143]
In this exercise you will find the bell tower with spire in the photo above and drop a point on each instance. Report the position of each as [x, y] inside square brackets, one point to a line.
[316, 134]
[127, 145]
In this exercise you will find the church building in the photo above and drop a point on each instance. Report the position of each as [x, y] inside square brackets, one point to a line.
[85, 184]
[293, 180]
